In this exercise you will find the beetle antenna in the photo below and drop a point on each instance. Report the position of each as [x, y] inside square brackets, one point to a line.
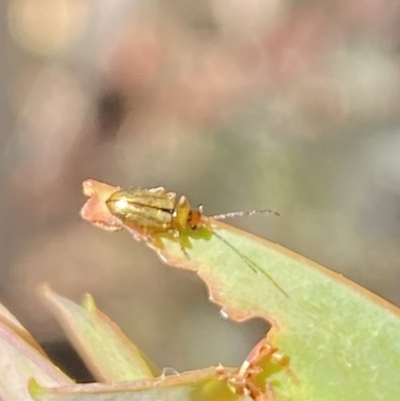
[245, 213]
[253, 266]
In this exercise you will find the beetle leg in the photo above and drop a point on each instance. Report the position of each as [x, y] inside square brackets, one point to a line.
[155, 241]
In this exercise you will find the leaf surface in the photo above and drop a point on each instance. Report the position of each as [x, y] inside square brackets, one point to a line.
[107, 352]
[201, 385]
[21, 359]
[342, 340]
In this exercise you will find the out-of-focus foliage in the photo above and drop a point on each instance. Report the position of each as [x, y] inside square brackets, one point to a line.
[27, 373]
[292, 106]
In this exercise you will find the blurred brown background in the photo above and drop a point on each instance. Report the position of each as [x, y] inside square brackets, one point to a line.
[237, 104]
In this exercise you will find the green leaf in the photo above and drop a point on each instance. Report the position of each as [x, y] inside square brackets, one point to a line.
[201, 385]
[343, 341]
[21, 359]
[108, 353]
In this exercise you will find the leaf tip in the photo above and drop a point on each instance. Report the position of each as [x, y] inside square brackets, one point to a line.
[88, 303]
[45, 290]
[35, 390]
